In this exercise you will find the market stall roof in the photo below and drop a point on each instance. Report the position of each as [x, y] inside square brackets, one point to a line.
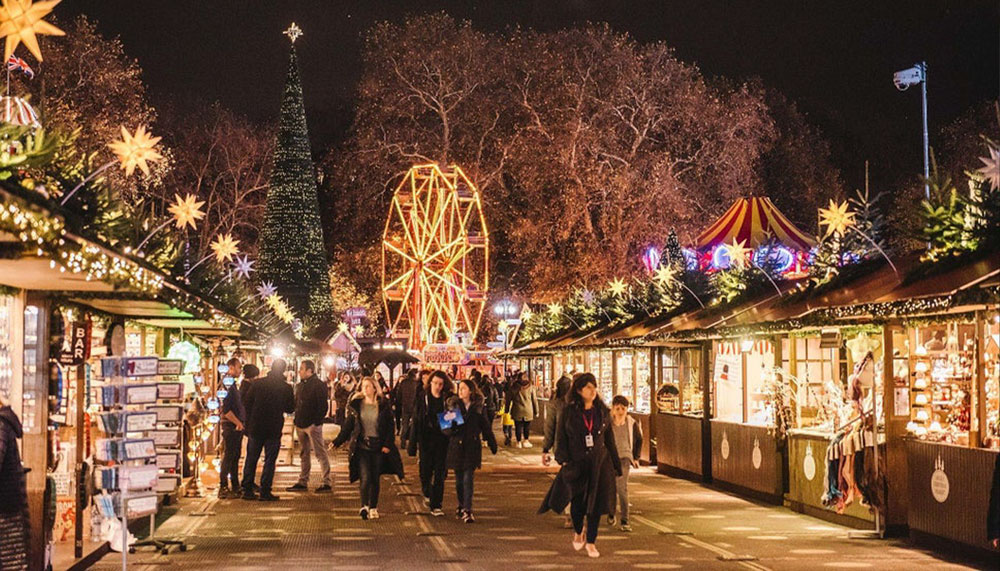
[391, 357]
[755, 221]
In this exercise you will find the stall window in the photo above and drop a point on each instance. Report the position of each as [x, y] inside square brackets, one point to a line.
[816, 378]
[727, 382]
[691, 389]
[606, 380]
[942, 364]
[594, 363]
[642, 391]
[759, 376]
[6, 347]
[668, 395]
[626, 378]
[991, 379]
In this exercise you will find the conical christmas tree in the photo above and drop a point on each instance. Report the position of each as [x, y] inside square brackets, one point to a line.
[292, 256]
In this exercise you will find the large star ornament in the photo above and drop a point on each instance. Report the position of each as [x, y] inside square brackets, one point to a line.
[618, 287]
[555, 309]
[225, 248]
[186, 211]
[862, 345]
[838, 218]
[135, 150]
[266, 290]
[243, 266]
[991, 168]
[21, 20]
[665, 274]
[738, 254]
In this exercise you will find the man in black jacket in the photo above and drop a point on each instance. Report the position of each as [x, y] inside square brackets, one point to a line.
[266, 401]
[405, 395]
[311, 404]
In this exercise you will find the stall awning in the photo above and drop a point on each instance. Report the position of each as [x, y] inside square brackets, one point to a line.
[391, 357]
[754, 221]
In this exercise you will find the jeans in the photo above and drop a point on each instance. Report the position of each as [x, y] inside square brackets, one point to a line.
[311, 439]
[577, 510]
[433, 454]
[465, 482]
[621, 484]
[521, 427]
[271, 447]
[370, 474]
[229, 469]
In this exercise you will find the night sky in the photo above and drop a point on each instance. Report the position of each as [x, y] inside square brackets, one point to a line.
[834, 58]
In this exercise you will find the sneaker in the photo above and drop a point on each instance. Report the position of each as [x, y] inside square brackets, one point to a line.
[459, 513]
[611, 520]
[268, 497]
[568, 523]
[592, 551]
[578, 541]
[427, 502]
[249, 495]
[506, 441]
[528, 444]
[224, 494]
[324, 489]
[299, 487]
[626, 527]
[520, 444]
[436, 512]
[364, 512]
[468, 518]
[373, 513]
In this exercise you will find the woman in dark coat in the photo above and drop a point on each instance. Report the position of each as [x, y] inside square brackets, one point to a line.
[13, 495]
[585, 448]
[465, 444]
[425, 431]
[370, 428]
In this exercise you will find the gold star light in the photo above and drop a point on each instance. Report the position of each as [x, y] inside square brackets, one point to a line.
[225, 247]
[293, 32]
[555, 309]
[738, 253]
[186, 211]
[665, 274]
[20, 21]
[134, 150]
[618, 287]
[991, 168]
[837, 219]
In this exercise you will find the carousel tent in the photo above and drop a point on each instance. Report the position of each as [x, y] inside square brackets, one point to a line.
[754, 221]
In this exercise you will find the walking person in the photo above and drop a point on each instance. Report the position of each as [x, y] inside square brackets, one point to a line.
[523, 409]
[557, 404]
[433, 444]
[369, 427]
[267, 400]
[14, 529]
[311, 401]
[585, 449]
[405, 395]
[233, 418]
[342, 392]
[628, 441]
[465, 446]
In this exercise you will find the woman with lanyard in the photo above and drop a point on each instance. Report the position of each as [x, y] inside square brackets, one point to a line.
[585, 449]
[370, 428]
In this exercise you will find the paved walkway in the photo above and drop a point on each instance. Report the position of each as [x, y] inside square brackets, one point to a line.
[678, 525]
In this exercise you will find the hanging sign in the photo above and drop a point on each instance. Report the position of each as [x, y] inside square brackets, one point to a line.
[445, 353]
[141, 367]
[170, 367]
[79, 345]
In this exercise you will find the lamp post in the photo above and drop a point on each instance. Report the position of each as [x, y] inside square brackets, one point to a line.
[508, 312]
[904, 80]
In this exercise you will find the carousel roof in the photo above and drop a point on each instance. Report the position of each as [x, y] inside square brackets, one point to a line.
[755, 221]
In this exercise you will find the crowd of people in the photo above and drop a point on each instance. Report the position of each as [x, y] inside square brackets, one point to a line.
[445, 423]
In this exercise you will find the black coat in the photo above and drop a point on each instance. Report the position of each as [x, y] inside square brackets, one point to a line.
[266, 402]
[465, 441]
[424, 427]
[591, 472]
[353, 431]
[13, 492]
[405, 395]
[312, 401]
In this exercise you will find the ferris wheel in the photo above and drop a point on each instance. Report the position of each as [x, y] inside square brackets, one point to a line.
[435, 257]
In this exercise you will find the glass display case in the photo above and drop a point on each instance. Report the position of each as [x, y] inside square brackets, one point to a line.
[942, 366]
[642, 389]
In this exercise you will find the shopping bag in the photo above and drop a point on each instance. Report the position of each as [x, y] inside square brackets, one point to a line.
[448, 417]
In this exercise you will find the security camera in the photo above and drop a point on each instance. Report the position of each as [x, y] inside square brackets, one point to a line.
[908, 77]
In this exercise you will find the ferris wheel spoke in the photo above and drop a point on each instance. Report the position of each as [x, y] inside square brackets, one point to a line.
[406, 275]
[403, 221]
[396, 249]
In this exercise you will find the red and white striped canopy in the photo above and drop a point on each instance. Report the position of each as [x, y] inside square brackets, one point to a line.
[17, 111]
[754, 221]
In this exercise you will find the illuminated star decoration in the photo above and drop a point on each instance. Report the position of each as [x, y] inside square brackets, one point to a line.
[186, 211]
[618, 287]
[588, 296]
[225, 247]
[862, 345]
[293, 32]
[20, 21]
[526, 313]
[738, 253]
[135, 150]
[266, 290]
[837, 219]
[665, 274]
[243, 266]
[991, 168]
[555, 309]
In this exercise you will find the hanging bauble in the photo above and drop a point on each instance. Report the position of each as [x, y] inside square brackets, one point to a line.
[17, 111]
